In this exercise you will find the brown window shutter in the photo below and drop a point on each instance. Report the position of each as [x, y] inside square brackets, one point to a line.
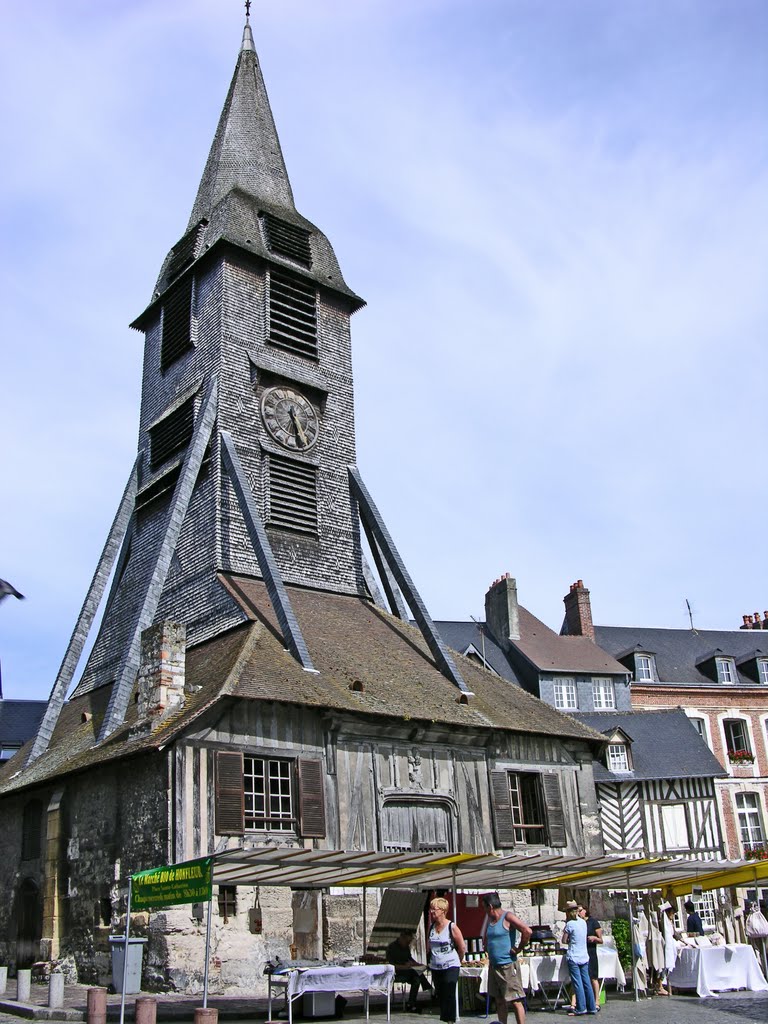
[502, 809]
[229, 793]
[553, 801]
[311, 798]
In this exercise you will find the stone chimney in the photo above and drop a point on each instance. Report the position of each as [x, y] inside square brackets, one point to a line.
[161, 671]
[502, 615]
[578, 612]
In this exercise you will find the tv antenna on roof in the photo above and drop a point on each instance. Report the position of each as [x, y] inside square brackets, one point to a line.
[481, 631]
[690, 614]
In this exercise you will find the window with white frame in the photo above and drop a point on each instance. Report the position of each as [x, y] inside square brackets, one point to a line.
[618, 757]
[749, 818]
[736, 736]
[700, 726]
[762, 670]
[566, 697]
[705, 907]
[603, 694]
[725, 670]
[674, 823]
[268, 794]
[643, 668]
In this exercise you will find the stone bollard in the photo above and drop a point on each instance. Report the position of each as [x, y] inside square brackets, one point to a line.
[56, 990]
[97, 1006]
[23, 986]
[206, 1015]
[146, 1010]
[3, 980]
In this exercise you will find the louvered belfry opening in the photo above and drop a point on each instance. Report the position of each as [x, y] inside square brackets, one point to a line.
[172, 434]
[287, 240]
[292, 495]
[292, 314]
[177, 323]
[185, 251]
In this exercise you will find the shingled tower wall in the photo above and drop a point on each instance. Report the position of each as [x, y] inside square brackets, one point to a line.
[234, 302]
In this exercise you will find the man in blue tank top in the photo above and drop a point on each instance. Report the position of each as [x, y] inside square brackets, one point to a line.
[505, 937]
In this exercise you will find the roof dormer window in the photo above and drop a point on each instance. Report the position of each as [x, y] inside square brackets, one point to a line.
[762, 670]
[618, 757]
[726, 670]
[643, 668]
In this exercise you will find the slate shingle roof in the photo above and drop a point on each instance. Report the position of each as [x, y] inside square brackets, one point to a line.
[350, 640]
[664, 746]
[677, 651]
[461, 635]
[19, 720]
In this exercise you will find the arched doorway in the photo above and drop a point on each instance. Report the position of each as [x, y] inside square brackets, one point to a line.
[30, 918]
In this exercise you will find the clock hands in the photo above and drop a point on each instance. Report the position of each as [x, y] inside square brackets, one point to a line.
[300, 435]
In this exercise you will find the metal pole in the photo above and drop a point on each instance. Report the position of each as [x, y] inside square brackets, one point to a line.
[207, 949]
[632, 942]
[455, 921]
[125, 949]
[365, 923]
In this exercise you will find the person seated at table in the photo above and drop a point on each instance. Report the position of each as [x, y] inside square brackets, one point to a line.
[594, 939]
[407, 969]
[505, 937]
[575, 935]
[693, 923]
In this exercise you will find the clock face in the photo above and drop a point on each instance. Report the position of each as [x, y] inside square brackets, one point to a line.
[289, 418]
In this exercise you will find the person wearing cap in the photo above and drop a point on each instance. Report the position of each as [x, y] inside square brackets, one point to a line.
[577, 957]
[505, 938]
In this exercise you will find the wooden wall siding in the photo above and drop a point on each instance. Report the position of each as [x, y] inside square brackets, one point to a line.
[358, 819]
[698, 795]
[621, 816]
[536, 749]
[416, 825]
[265, 727]
[475, 829]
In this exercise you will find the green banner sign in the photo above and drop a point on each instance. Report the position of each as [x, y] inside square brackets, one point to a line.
[189, 882]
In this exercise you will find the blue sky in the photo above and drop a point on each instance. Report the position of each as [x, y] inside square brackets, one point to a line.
[557, 214]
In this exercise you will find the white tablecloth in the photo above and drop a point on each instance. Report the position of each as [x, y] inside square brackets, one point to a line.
[718, 968]
[555, 968]
[357, 978]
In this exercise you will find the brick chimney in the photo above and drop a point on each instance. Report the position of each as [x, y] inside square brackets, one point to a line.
[578, 611]
[161, 671]
[502, 615]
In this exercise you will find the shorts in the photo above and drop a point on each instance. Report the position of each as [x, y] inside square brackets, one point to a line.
[505, 981]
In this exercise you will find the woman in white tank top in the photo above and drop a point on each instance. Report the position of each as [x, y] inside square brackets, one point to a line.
[446, 951]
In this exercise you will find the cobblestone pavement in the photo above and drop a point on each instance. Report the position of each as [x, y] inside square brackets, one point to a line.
[729, 1008]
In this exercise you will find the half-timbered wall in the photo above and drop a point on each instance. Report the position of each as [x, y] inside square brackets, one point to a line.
[642, 817]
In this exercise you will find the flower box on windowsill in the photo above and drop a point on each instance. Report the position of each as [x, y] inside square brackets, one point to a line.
[745, 757]
[759, 852]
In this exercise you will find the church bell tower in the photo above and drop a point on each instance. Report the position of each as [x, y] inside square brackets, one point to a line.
[247, 332]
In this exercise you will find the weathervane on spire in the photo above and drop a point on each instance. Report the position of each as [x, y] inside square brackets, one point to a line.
[247, 9]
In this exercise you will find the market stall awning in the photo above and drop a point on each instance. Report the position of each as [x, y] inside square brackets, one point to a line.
[322, 869]
[723, 875]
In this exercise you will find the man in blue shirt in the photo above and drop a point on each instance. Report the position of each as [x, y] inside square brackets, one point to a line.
[505, 937]
[693, 924]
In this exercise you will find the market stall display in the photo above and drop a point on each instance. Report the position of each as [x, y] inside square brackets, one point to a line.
[718, 969]
[365, 978]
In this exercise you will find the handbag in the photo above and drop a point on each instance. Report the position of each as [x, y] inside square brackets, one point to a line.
[756, 925]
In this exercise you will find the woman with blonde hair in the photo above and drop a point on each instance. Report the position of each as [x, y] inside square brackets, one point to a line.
[446, 951]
